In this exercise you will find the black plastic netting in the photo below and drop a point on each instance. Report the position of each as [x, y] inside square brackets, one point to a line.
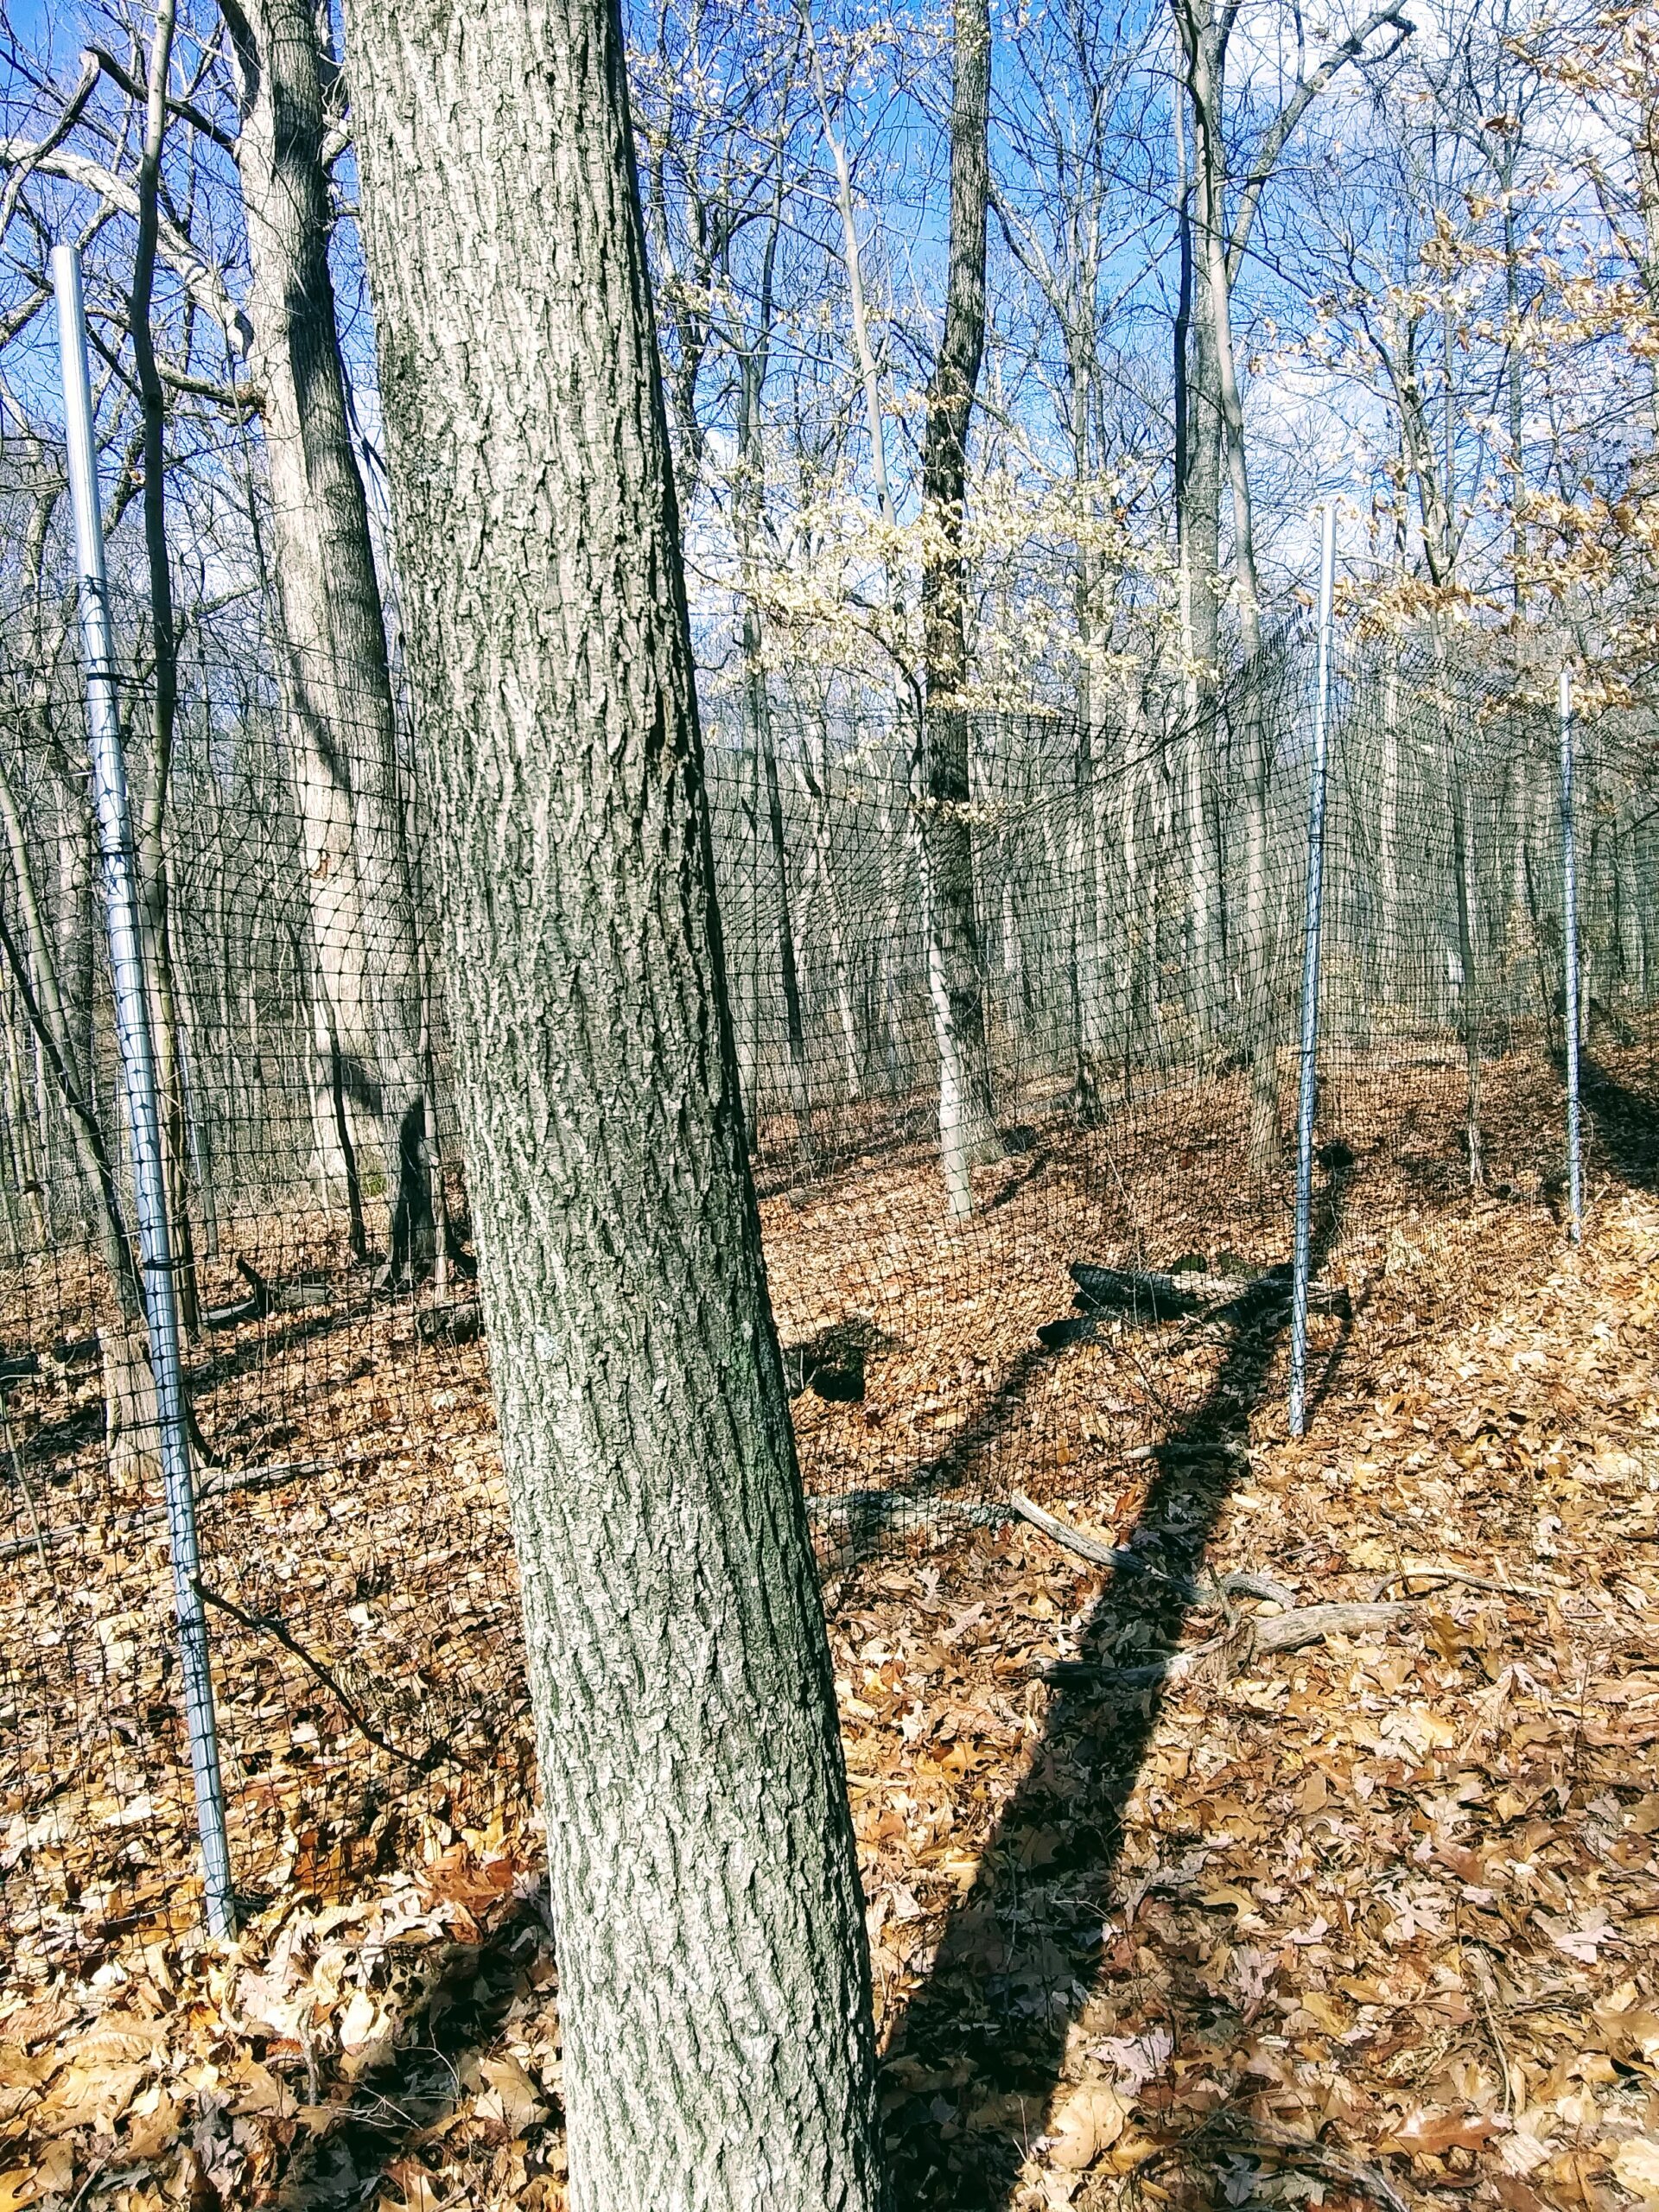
[1116, 1011]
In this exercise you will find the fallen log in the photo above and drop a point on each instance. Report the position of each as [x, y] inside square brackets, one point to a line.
[1123, 1560]
[458, 1324]
[1133, 1295]
[1095, 1549]
[873, 1510]
[1292, 1632]
[1129, 1291]
[264, 1298]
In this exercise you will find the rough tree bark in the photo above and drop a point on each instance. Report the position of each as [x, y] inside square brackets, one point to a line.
[371, 1071]
[713, 1973]
[955, 980]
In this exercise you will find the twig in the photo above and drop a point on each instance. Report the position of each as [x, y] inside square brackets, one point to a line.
[1481, 1976]
[95, 2173]
[1098, 1553]
[268, 1624]
[1455, 1574]
[1260, 2136]
[265, 1478]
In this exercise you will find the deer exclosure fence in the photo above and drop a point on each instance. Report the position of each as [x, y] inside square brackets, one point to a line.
[1128, 1015]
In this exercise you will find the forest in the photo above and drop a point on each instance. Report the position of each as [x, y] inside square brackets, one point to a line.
[829, 1124]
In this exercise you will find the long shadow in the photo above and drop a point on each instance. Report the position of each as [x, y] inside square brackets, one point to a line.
[1023, 1951]
[463, 2011]
[872, 1517]
[1626, 1125]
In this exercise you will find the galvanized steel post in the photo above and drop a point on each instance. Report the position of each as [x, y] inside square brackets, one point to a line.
[138, 1072]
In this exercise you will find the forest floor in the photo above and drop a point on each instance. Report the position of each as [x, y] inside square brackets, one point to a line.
[1374, 1921]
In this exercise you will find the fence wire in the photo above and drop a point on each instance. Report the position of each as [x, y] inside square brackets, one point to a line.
[1101, 944]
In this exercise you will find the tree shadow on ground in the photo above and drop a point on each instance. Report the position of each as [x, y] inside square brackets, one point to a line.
[462, 2012]
[1626, 1124]
[1027, 1947]
[1023, 1952]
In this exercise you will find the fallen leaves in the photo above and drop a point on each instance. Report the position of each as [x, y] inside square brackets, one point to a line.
[1389, 1900]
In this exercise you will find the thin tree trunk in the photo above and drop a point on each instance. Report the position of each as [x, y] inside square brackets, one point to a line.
[1463, 867]
[714, 1981]
[825, 890]
[750, 511]
[1217, 429]
[151, 856]
[955, 981]
[337, 689]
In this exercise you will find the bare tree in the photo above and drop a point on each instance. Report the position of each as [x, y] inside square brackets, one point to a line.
[968, 1133]
[367, 971]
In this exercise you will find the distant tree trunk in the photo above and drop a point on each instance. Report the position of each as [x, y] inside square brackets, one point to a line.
[1387, 841]
[1206, 893]
[714, 1980]
[1463, 867]
[366, 975]
[1086, 948]
[749, 509]
[164, 680]
[1087, 919]
[1216, 429]
[1198, 449]
[826, 894]
[955, 980]
[759, 702]
[76, 926]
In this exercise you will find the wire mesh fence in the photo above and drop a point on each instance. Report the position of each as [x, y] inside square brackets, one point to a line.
[1020, 1071]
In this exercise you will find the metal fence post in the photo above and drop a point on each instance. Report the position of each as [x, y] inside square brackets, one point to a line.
[138, 1070]
[1570, 964]
[1307, 1096]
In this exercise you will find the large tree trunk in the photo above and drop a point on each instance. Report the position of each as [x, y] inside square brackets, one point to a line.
[955, 979]
[371, 1076]
[714, 1980]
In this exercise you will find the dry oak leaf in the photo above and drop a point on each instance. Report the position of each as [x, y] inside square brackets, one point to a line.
[1088, 2122]
[151, 2127]
[118, 2040]
[1628, 2034]
[88, 2096]
[512, 2096]
[1635, 2167]
[52, 2177]
[415, 2185]
[1434, 2131]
